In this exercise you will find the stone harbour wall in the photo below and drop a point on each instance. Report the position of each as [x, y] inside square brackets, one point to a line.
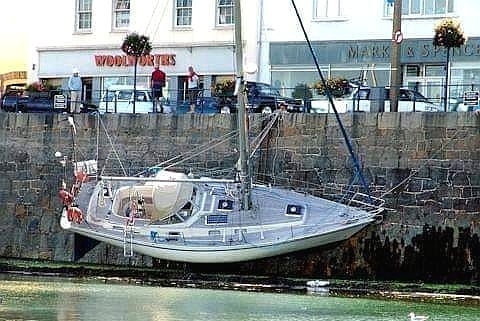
[425, 165]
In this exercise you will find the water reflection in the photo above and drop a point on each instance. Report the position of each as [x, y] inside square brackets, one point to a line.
[40, 299]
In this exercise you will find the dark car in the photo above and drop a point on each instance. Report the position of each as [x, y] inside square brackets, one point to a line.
[13, 102]
[262, 98]
[205, 105]
[53, 101]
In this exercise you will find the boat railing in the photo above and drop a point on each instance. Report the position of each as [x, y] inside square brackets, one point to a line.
[347, 195]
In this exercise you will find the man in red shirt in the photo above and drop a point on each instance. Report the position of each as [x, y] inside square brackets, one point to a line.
[157, 82]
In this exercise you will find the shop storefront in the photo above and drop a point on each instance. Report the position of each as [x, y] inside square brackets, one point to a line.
[103, 67]
[423, 64]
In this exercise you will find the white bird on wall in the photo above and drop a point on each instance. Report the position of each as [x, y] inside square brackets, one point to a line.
[414, 317]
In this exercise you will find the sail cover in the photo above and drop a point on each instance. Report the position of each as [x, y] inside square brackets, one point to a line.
[170, 197]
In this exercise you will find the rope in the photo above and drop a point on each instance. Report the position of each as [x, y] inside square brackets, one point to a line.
[259, 139]
[181, 158]
[153, 15]
[113, 147]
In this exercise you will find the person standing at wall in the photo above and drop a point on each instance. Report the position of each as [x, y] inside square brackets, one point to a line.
[75, 87]
[157, 82]
[192, 88]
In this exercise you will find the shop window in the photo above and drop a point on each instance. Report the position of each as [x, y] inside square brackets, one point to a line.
[422, 7]
[121, 14]
[327, 9]
[434, 70]
[225, 12]
[413, 70]
[183, 13]
[84, 15]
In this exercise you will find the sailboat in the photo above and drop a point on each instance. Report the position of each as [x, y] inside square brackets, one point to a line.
[170, 215]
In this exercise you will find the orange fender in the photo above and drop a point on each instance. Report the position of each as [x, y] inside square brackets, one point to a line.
[66, 197]
[74, 214]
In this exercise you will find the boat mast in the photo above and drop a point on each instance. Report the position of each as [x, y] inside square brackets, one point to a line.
[241, 112]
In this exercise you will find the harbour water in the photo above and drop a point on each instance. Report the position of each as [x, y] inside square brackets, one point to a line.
[61, 299]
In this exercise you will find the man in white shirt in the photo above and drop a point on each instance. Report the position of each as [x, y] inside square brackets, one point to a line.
[193, 89]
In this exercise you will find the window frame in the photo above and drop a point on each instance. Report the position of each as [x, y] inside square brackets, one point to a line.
[183, 9]
[119, 11]
[82, 11]
[218, 14]
[407, 6]
[327, 13]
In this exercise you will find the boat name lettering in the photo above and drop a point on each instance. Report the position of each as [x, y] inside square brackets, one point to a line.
[125, 61]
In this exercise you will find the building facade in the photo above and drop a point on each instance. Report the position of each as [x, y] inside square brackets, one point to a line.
[352, 39]
[88, 35]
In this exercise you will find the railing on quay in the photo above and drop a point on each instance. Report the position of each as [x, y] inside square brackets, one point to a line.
[463, 97]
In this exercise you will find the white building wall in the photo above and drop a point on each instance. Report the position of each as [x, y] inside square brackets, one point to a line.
[154, 18]
[360, 20]
[363, 26]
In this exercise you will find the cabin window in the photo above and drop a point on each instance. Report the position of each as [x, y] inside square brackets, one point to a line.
[173, 236]
[214, 233]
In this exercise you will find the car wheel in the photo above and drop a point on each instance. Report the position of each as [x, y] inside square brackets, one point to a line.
[266, 110]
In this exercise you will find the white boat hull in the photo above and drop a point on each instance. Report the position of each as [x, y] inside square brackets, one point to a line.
[219, 253]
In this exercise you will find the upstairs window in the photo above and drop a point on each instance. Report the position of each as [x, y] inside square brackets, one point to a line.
[183, 13]
[423, 8]
[323, 9]
[225, 14]
[121, 14]
[84, 15]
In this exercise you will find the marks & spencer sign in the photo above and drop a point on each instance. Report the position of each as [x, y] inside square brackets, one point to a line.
[369, 51]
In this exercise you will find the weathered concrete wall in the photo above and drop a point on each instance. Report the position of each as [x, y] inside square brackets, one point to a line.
[431, 231]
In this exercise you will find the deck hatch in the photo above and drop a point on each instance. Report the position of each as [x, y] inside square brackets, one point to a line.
[295, 210]
[225, 205]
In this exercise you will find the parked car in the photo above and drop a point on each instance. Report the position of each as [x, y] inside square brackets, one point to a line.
[14, 102]
[47, 101]
[366, 99]
[205, 105]
[119, 99]
[262, 98]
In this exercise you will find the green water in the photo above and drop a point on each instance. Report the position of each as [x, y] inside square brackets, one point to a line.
[48, 299]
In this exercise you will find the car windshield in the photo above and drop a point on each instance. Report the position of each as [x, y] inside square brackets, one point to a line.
[124, 94]
[418, 96]
[109, 96]
[263, 89]
[142, 96]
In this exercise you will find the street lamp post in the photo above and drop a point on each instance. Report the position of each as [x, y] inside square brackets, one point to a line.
[396, 50]
[448, 34]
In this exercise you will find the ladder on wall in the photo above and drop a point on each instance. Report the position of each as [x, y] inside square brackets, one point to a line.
[128, 239]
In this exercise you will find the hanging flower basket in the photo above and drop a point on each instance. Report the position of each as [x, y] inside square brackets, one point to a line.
[224, 88]
[136, 45]
[449, 34]
[338, 87]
